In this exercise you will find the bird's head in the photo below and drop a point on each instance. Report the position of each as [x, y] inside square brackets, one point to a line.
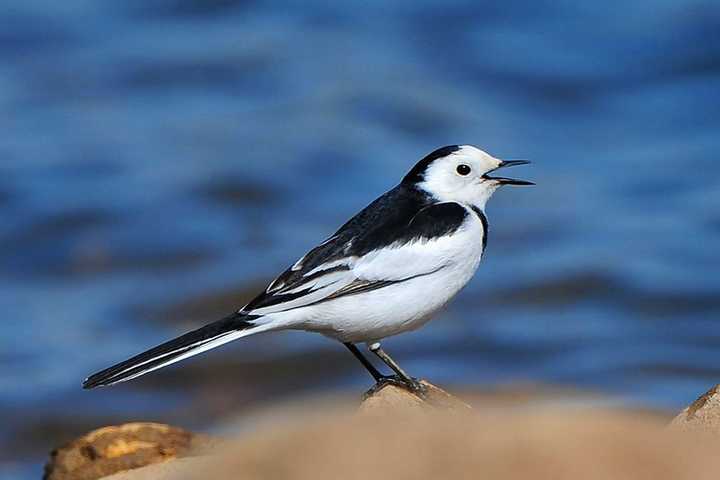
[461, 173]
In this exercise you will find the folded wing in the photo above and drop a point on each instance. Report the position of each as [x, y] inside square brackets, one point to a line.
[346, 264]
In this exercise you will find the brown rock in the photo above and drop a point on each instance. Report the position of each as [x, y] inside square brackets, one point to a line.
[176, 469]
[394, 399]
[126, 447]
[115, 449]
[703, 414]
[555, 445]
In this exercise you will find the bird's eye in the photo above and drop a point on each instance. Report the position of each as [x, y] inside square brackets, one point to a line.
[463, 170]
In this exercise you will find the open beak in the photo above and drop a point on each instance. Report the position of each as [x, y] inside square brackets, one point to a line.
[508, 181]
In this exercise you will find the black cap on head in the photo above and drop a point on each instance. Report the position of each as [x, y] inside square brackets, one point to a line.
[416, 174]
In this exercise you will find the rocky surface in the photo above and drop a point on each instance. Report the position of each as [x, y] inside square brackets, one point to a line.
[392, 399]
[441, 438]
[115, 449]
[702, 415]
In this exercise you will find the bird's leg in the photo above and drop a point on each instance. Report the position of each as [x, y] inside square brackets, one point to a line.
[377, 350]
[366, 363]
[411, 383]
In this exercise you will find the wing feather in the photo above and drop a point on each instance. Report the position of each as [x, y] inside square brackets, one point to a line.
[379, 247]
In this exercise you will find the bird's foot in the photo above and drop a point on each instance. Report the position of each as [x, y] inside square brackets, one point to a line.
[412, 385]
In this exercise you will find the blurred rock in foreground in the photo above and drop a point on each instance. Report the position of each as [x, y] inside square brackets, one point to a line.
[115, 449]
[703, 414]
[443, 438]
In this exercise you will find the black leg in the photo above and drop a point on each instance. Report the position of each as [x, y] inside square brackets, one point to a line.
[401, 377]
[377, 350]
[366, 363]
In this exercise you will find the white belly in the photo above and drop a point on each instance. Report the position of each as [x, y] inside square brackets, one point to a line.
[390, 310]
[404, 306]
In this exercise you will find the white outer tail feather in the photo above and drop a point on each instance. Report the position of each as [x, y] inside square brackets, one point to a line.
[200, 347]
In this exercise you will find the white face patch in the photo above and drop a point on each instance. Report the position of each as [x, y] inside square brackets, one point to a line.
[458, 177]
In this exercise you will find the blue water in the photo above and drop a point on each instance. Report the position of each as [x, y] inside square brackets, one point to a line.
[156, 152]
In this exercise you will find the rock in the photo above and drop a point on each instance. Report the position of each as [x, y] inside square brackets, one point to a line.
[442, 438]
[175, 469]
[394, 399]
[703, 414]
[554, 445]
[119, 448]
[111, 450]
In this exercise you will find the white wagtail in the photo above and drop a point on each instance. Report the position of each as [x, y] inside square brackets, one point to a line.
[386, 271]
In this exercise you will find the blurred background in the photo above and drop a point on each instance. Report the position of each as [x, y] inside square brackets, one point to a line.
[160, 160]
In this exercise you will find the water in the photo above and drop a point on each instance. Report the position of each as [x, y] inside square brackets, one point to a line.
[160, 160]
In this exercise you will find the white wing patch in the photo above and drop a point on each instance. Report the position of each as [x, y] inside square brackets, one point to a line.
[409, 260]
[297, 266]
[374, 270]
[348, 262]
[319, 282]
[319, 289]
[274, 286]
[277, 285]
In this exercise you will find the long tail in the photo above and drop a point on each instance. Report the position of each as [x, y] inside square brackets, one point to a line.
[201, 340]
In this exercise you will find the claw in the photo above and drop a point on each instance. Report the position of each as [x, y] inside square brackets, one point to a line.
[413, 386]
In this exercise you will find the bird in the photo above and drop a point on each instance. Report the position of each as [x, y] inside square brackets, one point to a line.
[386, 271]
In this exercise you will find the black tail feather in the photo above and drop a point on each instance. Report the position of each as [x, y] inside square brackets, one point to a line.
[169, 351]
